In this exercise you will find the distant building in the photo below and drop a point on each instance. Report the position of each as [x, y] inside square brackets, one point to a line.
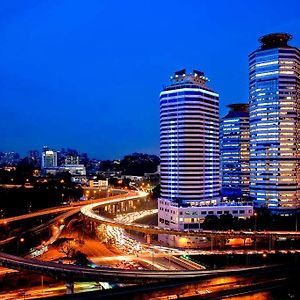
[274, 88]
[49, 158]
[9, 158]
[71, 159]
[98, 184]
[74, 169]
[34, 157]
[234, 150]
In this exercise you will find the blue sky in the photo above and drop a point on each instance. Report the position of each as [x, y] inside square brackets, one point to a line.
[87, 74]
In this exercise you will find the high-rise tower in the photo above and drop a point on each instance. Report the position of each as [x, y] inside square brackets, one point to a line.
[189, 152]
[274, 88]
[189, 140]
[49, 158]
[234, 148]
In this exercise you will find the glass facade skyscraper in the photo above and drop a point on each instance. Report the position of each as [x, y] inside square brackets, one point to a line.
[234, 148]
[274, 91]
[189, 140]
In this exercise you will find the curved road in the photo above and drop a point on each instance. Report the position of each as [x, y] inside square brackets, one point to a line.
[77, 273]
[88, 212]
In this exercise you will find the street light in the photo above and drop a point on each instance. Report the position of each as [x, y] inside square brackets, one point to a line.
[255, 227]
[255, 221]
[21, 240]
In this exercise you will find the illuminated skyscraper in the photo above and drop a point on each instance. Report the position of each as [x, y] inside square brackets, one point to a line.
[274, 87]
[234, 149]
[190, 160]
[189, 140]
[49, 158]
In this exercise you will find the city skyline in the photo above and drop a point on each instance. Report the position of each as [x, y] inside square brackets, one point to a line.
[57, 92]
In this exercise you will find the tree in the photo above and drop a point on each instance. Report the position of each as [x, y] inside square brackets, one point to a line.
[69, 247]
[211, 222]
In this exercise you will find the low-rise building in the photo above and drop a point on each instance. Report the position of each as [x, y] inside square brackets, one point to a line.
[99, 184]
[175, 216]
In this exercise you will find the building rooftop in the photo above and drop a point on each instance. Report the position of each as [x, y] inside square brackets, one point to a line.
[182, 79]
[275, 40]
[182, 76]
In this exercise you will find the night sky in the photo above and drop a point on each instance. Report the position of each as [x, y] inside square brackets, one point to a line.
[87, 74]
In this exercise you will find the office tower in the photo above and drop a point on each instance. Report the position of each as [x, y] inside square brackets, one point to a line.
[234, 150]
[274, 90]
[189, 152]
[189, 140]
[49, 158]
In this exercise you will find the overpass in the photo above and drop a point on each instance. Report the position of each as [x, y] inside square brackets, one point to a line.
[71, 273]
[88, 212]
[58, 209]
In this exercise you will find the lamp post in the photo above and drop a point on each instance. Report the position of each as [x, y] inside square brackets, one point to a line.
[21, 240]
[255, 228]
[255, 221]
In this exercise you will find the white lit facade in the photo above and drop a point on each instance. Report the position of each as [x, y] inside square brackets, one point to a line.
[274, 87]
[49, 158]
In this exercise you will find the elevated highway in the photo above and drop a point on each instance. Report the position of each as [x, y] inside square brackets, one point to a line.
[59, 209]
[89, 212]
[76, 273]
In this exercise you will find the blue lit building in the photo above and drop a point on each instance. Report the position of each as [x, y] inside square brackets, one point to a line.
[190, 158]
[274, 90]
[234, 150]
[189, 140]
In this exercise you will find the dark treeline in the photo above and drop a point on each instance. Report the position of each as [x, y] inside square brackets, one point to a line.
[15, 201]
[263, 220]
[134, 164]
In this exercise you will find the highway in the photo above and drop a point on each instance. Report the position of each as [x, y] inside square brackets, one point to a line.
[88, 212]
[60, 209]
[76, 273]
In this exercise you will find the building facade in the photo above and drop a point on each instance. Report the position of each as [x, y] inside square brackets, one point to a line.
[234, 151]
[49, 158]
[189, 152]
[274, 91]
[189, 141]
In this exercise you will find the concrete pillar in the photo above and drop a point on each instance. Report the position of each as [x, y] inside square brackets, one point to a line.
[148, 239]
[70, 288]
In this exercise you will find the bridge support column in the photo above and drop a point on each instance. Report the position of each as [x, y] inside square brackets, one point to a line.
[70, 288]
[222, 242]
[148, 238]
[113, 209]
[271, 243]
